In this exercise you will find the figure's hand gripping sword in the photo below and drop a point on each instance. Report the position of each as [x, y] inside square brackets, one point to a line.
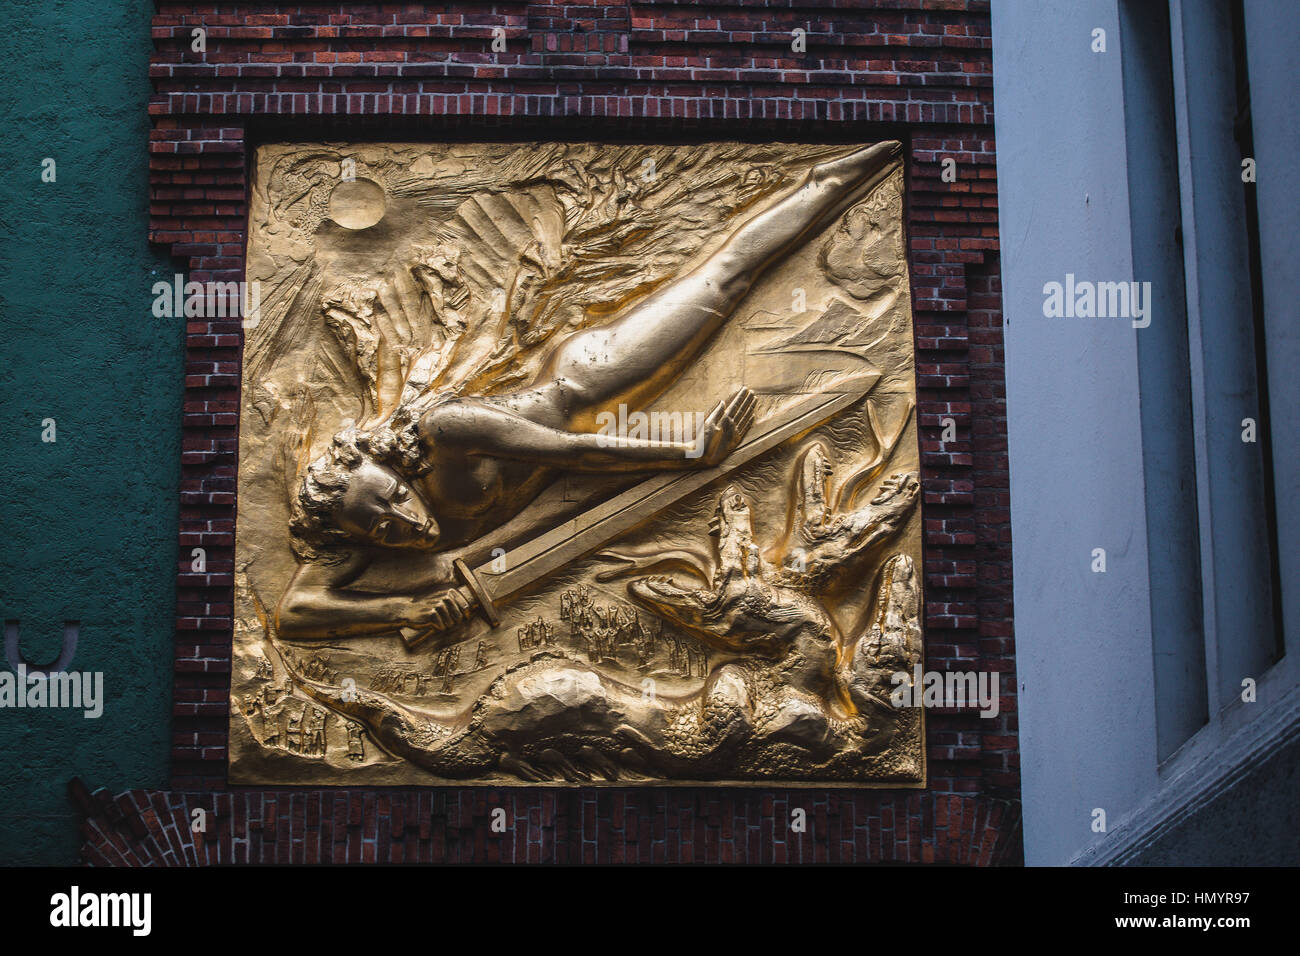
[499, 579]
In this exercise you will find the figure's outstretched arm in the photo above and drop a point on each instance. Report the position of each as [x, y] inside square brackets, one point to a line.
[317, 605]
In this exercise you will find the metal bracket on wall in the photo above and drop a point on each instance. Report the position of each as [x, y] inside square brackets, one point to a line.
[70, 631]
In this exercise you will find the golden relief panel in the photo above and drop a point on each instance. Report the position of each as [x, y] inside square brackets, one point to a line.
[577, 463]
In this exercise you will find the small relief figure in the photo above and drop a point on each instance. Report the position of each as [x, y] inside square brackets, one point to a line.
[356, 742]
[449, 670]
[314, 733]
[480, 656]
[270, 695]
[271, 725]
[602, 633]
[642, 645]
[318, 668]
[293, 731]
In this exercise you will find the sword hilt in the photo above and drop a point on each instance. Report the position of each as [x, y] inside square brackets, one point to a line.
[472, 593]
[481, 597]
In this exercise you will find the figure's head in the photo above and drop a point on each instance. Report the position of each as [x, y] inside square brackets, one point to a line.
[348, 497]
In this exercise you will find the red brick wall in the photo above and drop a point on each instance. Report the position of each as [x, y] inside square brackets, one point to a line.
[450, 825]
[917, 70]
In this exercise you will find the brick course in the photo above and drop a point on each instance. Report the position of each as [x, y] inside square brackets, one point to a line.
[448, 825]
[916, 70]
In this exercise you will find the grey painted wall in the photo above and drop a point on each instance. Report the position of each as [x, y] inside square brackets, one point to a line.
[1075, 428]
[1083, 649]
[1273, 35]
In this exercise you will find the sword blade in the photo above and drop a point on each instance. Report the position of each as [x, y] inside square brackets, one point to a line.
[576, 538]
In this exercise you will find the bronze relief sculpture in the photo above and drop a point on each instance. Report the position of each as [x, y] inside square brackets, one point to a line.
[577, 463]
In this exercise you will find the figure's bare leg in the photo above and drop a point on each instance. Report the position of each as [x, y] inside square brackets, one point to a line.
[635, 357]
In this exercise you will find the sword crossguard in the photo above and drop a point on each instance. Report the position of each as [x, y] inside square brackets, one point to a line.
[476, 588]
[472, 593]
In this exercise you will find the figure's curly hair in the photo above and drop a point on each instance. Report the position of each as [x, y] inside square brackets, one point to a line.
[395, 442]
[313, 531]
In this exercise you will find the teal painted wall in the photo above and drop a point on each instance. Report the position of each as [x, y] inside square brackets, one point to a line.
[88, 523]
